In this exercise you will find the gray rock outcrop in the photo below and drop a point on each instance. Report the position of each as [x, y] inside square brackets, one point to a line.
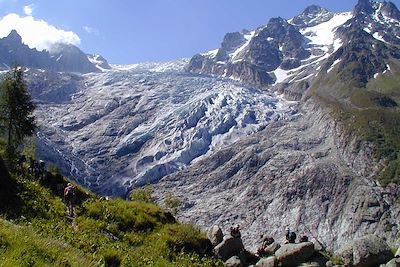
[228, 248]
[393, 263]
[267, 262]
[367, 251]
[272, 248]
[294, 254]
[215, 235]
[233, 262]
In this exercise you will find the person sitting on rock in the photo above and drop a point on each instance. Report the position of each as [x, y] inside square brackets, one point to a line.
[266, 241]
[303, 239]
[235, 231]
[290, 236]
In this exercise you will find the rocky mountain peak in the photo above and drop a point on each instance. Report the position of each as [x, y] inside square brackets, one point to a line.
[364, 8]
[13, 38]
[231, 41]
[312, 16]
[390, 10]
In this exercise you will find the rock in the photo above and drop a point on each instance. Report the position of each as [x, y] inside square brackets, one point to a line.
[271, 249]
[367, 251]
[267, 262]
[311, 264]
[228, 248]
[318, 260]
[233, 262]
[398, 252]
[294, 254]
[329, 264]
[215, 235]
[393, 263]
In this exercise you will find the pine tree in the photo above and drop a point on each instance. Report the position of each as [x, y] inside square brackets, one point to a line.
[16, 112]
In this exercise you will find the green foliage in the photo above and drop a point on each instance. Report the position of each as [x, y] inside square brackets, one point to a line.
[172, 203]
[104, 233]
[54, 169]
[142, 194]
[16, 112]
[21, 246]
[368, 111]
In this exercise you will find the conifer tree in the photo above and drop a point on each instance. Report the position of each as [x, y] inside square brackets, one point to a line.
[16, 112]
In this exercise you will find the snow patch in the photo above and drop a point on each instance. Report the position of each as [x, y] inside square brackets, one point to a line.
[378, 37]
[333, 65]
[280, 75]
[324, 33]
[248, 38]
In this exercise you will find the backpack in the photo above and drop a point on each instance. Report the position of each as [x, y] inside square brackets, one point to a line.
[69, 191]
[292, 237]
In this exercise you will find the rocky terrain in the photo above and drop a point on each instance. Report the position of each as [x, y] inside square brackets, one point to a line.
[291, 124]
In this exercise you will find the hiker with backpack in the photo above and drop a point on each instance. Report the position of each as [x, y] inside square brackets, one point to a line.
[290, 236]
[69, 197]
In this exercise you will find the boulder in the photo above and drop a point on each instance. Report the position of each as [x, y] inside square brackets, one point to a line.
[317, 259]
[295, 254]
[267, 262]
[233, 262]
[393, 263]
[228, 248]
[271, 249]
[215, 235]
[367, 251]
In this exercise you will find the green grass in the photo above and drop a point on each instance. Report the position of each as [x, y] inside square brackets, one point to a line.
[22, 246]
[104, 233]
[369, 112]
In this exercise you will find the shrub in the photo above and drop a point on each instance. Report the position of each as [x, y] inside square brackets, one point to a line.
[172, 203]
[142, 195]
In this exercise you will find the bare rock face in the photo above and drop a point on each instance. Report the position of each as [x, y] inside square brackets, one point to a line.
[304, 174]
[233, 262]
[267, 262]
[271, 249]
[215, 235]
[367, 251]
[294, 254]
[228, 248]
[393, 263]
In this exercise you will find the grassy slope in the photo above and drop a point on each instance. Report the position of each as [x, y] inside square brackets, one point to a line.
[368, 112]
[105, 233]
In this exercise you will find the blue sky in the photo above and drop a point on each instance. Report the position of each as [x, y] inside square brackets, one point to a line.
[130, 31]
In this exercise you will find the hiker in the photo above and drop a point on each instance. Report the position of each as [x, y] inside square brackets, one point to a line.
[303, 239]
[266, 241]
[69, 197]
[20, 164]
[42, 169]
[290, 236]
[235, 231]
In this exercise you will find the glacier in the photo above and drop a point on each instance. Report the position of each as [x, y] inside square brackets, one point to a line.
[131, 126]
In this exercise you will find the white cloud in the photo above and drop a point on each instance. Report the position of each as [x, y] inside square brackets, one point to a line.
[91, 30]
[28, 10]
[36, 33]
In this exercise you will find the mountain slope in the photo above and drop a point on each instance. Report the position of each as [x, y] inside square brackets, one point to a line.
[227, 141]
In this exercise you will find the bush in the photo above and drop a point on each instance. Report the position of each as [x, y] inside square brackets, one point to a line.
[142, 195]
[172, 203]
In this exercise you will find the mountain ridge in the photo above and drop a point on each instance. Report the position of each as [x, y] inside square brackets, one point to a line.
[61, 57]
